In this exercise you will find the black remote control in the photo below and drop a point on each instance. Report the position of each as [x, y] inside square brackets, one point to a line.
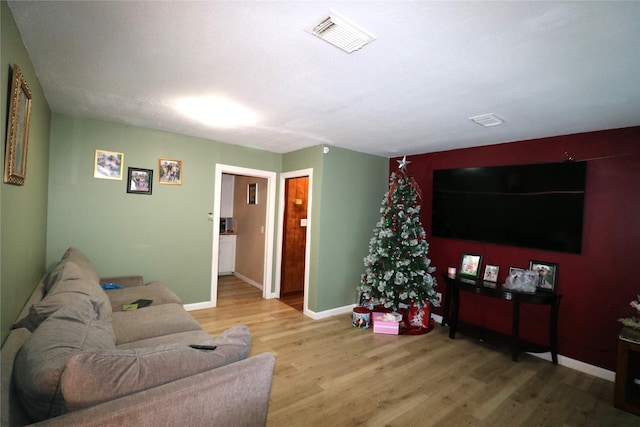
[203, 346]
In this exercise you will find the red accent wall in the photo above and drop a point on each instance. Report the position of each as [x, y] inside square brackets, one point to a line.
[596, 285]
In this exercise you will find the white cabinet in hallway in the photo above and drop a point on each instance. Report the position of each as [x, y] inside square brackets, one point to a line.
[227, 254]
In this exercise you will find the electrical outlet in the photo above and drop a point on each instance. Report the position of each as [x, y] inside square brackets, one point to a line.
[439, 296]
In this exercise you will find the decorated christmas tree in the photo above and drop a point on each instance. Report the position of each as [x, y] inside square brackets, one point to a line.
[397, 267]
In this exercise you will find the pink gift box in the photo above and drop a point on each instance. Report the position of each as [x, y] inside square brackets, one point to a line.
[384, 327]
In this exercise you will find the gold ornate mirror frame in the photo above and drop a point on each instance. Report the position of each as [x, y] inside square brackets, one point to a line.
[15, 160]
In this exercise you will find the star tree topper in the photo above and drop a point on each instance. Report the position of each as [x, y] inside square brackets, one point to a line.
[402, 164]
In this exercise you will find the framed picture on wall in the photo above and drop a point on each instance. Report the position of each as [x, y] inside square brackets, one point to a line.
[170, 172]
[547, 275]
[139, 181]
[252, 193]
[15, 160]
[470, 265]
[491, 273]
[108, 165]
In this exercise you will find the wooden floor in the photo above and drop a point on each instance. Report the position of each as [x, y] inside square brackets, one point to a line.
[330, 374]
[294, 299]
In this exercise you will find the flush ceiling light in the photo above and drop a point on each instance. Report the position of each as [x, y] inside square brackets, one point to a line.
[216, 111]
[339, 32]
[487, 120]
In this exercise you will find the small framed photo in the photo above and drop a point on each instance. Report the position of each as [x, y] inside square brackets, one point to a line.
[170, 171]
[252, 193]
[515, 270]
[547, 275]
[139, 181]
[108, 165]
[491, 273]
[470, 265]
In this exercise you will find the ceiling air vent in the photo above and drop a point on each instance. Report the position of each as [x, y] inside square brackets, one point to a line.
[339, 32]
[487, 120]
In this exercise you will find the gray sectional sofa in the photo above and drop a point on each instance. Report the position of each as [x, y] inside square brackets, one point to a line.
[76, 358]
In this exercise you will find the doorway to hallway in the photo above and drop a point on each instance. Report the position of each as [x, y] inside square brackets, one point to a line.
[253, 196]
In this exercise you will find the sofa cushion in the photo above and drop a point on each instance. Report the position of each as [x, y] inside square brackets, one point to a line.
[152, 321]
[36, 296]
[81, 260]
[157, 292]
[67, 291]
[54, 276]
[77, 280]
[11, 411]
[73, 272]
[40, 311]
[94, 377]
[186, 337]
[41, 360]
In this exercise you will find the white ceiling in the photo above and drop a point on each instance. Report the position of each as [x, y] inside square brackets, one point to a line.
[545, 68]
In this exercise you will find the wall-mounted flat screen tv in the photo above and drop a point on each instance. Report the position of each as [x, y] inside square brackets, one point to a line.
[538, 206]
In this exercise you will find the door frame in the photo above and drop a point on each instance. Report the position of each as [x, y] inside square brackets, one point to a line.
[268, 225]
[307, 251]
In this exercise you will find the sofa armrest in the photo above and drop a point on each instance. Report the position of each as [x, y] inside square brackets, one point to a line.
[233, 395]
[124, 281]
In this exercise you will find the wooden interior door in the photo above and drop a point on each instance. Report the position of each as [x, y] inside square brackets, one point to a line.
[295, 235]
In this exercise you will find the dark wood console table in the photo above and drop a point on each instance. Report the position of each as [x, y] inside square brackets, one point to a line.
[495, 290]
[627, 390]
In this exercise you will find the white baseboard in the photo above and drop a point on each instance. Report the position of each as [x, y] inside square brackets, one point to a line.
[198, 306]
[577, 365]
[249, 281]
[329, 313]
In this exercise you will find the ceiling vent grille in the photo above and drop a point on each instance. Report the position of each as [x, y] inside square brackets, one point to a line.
[487, 120]
[339, 32]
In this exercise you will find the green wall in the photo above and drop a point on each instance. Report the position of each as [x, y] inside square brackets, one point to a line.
[165, 236]
[23, 209]
[352, 187]
[347, 189]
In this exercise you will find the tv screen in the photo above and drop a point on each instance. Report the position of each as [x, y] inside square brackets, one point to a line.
[538, 206]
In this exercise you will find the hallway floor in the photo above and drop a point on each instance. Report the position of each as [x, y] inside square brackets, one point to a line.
[294, 300]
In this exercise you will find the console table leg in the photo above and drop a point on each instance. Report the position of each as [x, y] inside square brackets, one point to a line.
[553, 331]
[453, 320]
[515, 333]
[447, 305]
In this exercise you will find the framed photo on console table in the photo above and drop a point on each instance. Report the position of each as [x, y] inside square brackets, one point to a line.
[491, 273]
[547, 275]
[513, 270]
[470, 265]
